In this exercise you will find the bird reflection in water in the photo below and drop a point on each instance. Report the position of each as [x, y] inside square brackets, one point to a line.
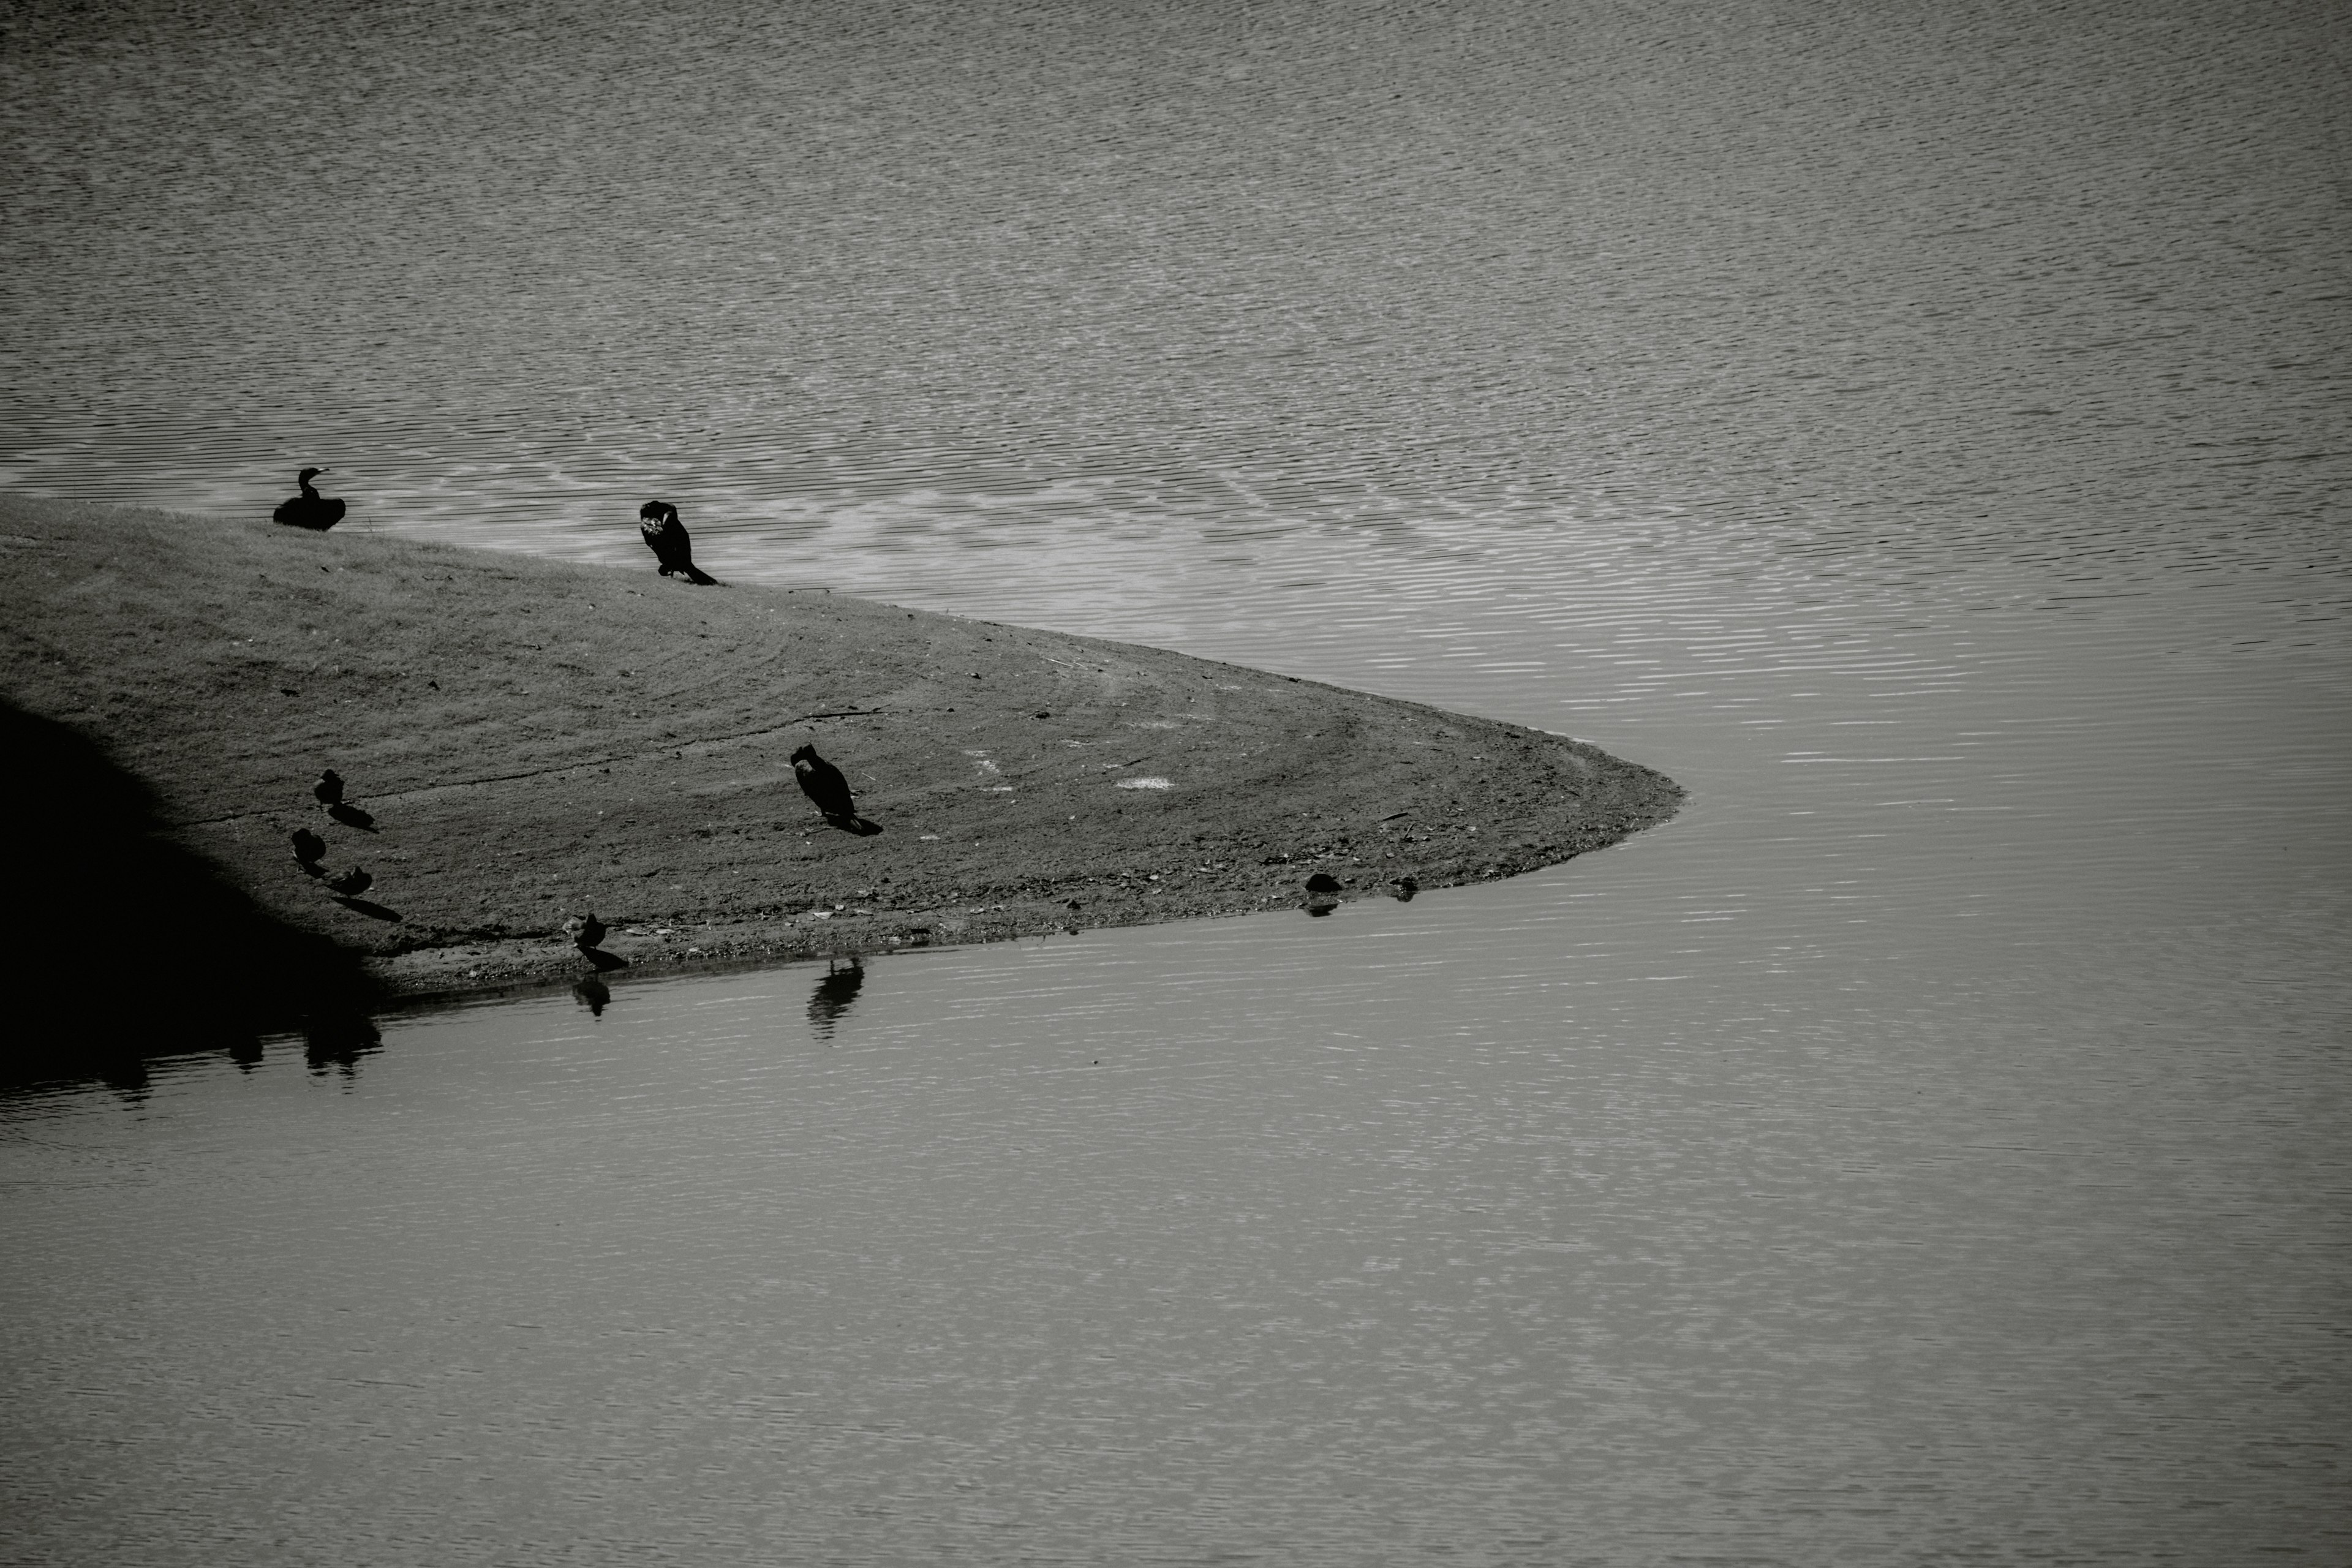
[339, 1043]
[593, 993]
[833, 996]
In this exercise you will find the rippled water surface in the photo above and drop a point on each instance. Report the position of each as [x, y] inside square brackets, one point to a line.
[1921, 434]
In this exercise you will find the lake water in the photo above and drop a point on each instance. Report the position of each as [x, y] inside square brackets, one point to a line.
[1918, 431]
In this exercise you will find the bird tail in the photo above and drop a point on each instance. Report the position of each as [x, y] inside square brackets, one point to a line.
[698, 575]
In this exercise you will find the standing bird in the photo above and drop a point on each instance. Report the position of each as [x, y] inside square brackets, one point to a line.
[329, 790]
[352, 883]
[657, 520]
[309, 850]
[585, 934]
[822, 783]
[310, 509]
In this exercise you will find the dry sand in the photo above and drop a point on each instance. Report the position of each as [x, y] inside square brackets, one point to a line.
[535, 740]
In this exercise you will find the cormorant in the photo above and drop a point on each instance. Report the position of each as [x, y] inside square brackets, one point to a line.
[329, 790]
[657, 520]
[309, 850]
[822, 783]
[585, 934]
[310, 509]
[352, 883]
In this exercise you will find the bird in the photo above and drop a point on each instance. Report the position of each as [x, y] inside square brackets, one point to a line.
[329, 790]
[309, 848]
[1406, 887]
[584, 933]
[1322, 882]
[657, 520]
[822, 783]
[310, 509]
[352, 883]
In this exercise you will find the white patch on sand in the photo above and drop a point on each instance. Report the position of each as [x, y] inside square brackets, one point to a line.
[1143, 784]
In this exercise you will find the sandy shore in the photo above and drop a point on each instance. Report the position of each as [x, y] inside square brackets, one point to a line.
[530, 740]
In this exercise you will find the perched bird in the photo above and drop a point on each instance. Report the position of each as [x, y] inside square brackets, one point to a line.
[657, 520]
[310, 509]
[352, 883]
[329, 790]
[585, 934]
[309, 848]
[822, 783]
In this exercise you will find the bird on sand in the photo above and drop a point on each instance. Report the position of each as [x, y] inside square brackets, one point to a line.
[329, 790]
[666, 536]
[309, 850]
[822, 783]
[310, 509]
[584, 933]
[352, 883]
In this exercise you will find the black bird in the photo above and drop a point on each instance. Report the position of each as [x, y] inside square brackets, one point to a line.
[329, 790]
[309, 849]
[352, 883]
[1322, 882]
[310, 509]
[584, 933]
[822, 783]
[657, 520]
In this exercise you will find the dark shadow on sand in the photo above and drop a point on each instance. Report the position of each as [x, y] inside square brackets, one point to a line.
[371, 909]
[352, 816]
[605, 963]
[128, 946]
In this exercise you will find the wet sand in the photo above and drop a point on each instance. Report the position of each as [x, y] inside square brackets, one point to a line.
[529, 741]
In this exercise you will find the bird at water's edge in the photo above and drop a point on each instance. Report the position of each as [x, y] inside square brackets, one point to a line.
[666, 536]
[310, 509]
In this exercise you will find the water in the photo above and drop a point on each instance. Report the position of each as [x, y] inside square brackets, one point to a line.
[1920, 436]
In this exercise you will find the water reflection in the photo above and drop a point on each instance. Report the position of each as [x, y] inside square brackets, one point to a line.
[594, 994]
[834, 994]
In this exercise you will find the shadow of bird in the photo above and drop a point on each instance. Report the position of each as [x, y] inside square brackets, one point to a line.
[310, 509]
[374, 910]
[825, 786]
[352, 883]
[309, 850]
[329, 789]
[657, 520]
[351, 815]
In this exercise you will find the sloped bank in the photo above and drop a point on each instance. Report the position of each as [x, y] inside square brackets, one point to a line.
[534, 740]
